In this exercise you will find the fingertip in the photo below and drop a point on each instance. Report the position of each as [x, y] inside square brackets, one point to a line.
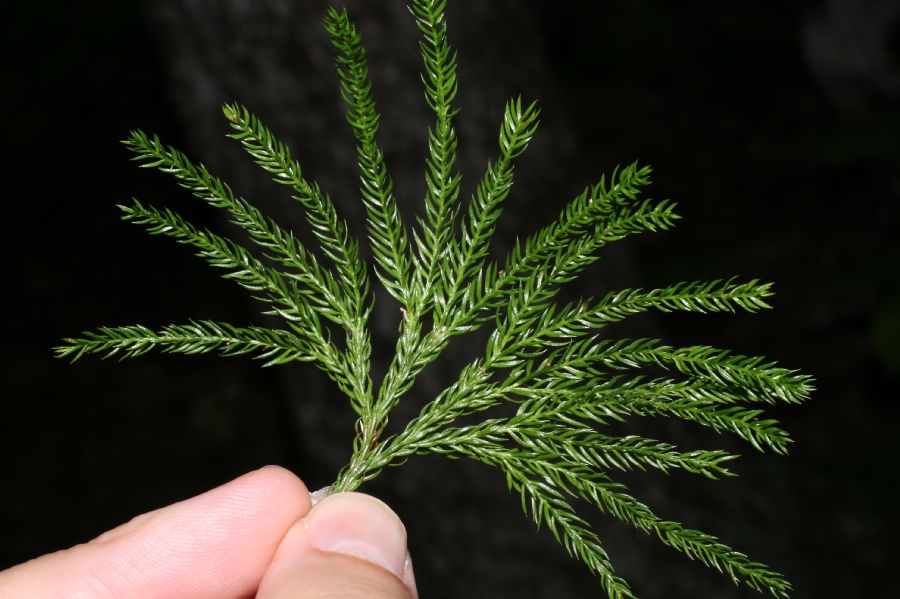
[279, 483]
[359, 525]
[349, 546]
[217, 544]
[409, 577]
[277, 489]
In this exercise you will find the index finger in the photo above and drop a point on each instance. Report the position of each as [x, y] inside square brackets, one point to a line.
[213, 546]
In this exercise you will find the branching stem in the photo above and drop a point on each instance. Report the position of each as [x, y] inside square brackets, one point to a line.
[565, 383]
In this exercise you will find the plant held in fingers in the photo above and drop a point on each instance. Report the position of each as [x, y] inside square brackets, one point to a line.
[565, 382]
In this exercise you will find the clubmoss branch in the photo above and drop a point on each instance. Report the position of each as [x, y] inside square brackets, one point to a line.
[565, 383]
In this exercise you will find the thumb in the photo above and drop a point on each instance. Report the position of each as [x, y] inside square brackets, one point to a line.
[350, 546]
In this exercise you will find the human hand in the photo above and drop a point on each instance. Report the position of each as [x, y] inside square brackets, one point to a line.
[256, 536]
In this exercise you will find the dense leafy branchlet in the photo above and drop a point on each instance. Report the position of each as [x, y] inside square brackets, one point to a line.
[565, 381]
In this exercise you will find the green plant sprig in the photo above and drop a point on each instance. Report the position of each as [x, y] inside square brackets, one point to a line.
[566, 382]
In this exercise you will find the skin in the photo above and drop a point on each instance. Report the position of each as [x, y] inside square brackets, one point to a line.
[257, 536]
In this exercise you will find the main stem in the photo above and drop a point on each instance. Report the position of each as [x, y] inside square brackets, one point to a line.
[354, 473]
[368, 455]
[367, 460]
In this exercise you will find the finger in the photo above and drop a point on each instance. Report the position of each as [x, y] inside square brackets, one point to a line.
[216, 545]
[350, 546]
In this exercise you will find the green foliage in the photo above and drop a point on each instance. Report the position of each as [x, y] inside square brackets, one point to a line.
[567, 384]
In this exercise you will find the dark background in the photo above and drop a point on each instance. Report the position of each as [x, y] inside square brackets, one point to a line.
[775, 125]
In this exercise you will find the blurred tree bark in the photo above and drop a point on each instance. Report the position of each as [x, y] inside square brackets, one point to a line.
[849, 45]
